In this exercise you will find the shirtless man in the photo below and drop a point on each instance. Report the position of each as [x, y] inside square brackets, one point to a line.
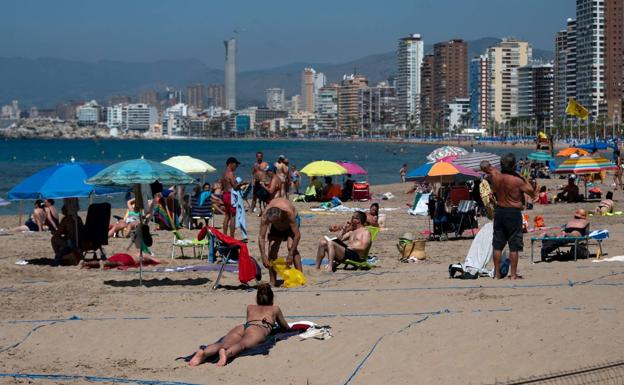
[274, 187]
[510, 189]
[260, 320]
[228, 183]
[258, 174]
[358, 241]
[281, 170]
[279, 223]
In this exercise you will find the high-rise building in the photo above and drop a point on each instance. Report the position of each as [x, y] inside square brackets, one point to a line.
[319, 82]
[294, 104]
[275, 99]
[195, 96]
[119, 99]
[536, 95]
[88, 114]
[479, 91]
[614, 57]
[427, 96]
[307, 89]
[409, 61]
[504, 60]
[450, 80]
[590, 55]
[149, 97]
[378, 108]
[327, 108]
[230, 74]
[457, 114]
[216, 95]
[564, 69]
[348, 103]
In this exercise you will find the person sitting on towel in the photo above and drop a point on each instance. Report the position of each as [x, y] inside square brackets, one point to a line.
[260, 321]
[358, 241]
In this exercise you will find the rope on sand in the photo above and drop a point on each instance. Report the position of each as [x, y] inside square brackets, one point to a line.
[372, 350]
[70, 377]
[26, 337]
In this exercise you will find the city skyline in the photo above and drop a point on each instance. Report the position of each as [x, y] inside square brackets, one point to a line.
[267, 34]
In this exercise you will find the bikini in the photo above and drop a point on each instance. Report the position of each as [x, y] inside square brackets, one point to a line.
[263, 323]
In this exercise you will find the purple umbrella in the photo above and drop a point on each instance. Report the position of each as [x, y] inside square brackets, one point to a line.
[352, 168]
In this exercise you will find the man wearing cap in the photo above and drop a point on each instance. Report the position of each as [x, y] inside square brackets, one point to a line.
[510, 189]
[229, 183]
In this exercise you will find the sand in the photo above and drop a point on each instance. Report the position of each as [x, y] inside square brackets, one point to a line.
[399, 323]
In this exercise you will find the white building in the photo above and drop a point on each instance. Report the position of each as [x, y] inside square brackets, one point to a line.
[88, 114]
[275, 98]
[457, 114]
[327, 109]
[135, 117]
[590, 55]
[409, 59]
[113, 116]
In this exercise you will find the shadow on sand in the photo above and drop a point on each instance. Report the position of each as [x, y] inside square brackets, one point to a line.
[158, 282]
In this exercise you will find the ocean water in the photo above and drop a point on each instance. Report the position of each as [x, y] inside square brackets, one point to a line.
[20, 158]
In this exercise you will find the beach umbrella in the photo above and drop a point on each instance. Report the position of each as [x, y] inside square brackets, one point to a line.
[352, 168]
[473, 160]
[540, 156]
[585, 165]
[189, 164]
[135, 173]
[570, 151]
[66, 180]
[441, 172]
[139, 171]
[323, 168]
[594, 146]
[444, 152]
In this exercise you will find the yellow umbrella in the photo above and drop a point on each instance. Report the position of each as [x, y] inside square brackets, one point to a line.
[189, 165]
[323, 168]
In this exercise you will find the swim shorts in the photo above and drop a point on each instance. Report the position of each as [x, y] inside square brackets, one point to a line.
[32, 226]
[227, 202]
[508, 229]
[352, 255]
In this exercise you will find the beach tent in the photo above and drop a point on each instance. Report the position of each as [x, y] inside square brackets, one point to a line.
[66, 180]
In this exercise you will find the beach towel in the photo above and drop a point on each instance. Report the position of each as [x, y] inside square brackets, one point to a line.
[241, 220]
[421, 207]
[127, 261]
[246, 266]
[203, 196]
[479, 255]
[263, 348]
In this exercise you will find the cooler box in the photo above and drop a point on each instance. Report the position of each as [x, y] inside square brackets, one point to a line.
[361, 191]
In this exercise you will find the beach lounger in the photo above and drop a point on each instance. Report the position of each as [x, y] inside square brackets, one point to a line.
[363, 265]
[180, 242]
[573, 243]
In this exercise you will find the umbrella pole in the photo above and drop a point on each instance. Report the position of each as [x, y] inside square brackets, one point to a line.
[19, 216]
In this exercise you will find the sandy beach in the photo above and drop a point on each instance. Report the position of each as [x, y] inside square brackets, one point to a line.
[398, 323]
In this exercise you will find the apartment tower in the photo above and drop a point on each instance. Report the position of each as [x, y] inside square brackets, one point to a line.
[230, 74]
[614, 58]
[410, 55]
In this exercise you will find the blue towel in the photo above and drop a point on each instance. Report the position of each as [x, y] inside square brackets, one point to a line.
[203, 196]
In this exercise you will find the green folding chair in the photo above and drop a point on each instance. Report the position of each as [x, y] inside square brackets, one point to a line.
[364, 265]
[184, 243]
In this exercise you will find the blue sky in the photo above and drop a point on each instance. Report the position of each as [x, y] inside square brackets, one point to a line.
[272, 32]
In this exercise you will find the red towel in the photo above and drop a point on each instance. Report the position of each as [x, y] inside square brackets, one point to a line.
[246, 267]
[126, 261]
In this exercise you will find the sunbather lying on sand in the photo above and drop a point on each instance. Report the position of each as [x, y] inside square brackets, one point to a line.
[261, 319]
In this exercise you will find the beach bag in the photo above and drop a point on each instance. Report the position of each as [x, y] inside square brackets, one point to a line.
[411, 249]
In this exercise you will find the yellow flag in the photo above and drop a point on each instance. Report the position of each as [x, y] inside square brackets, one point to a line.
[576, 109]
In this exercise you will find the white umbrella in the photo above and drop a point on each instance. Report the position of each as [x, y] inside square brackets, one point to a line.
[189, 165]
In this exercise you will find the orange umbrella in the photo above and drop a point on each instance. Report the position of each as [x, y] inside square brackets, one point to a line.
[567, 152]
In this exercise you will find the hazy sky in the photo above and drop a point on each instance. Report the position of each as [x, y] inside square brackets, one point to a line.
[271, 32]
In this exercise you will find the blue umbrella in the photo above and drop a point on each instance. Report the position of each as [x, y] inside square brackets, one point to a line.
[594, 146]
[64, 180]
[139, 171]
[540, 156]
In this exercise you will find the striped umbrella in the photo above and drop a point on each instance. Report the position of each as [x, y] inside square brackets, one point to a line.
[540, 156]
[585, 165]
[473, 160]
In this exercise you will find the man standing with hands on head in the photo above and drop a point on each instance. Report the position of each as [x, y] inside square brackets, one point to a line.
[510, 189]
[229, 184]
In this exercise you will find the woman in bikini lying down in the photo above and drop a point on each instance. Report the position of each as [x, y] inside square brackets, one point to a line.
[261, 319]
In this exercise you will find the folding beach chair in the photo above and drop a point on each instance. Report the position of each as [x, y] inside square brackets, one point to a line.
[363, 265]
[182, 243]
[95, 233]
[467, 211]
[203, 211]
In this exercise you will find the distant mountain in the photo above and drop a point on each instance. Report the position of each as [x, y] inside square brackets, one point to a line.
[45, 82]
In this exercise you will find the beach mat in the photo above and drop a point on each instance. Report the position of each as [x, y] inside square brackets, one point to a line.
[210, 267]
[262, 349]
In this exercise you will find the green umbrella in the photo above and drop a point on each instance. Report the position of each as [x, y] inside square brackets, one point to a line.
[139, 171]
[540, 156]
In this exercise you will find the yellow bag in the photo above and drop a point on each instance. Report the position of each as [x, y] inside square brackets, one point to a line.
[292, 277]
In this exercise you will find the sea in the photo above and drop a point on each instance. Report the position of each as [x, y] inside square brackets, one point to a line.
[20, 158]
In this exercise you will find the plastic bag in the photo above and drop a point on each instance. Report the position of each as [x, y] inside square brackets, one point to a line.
[292, 277]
